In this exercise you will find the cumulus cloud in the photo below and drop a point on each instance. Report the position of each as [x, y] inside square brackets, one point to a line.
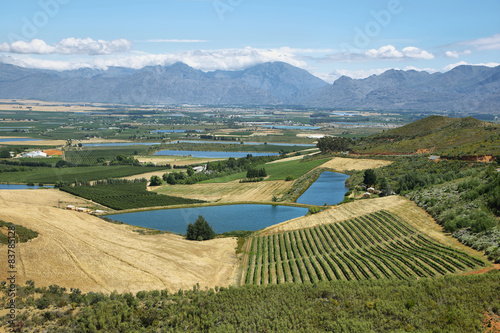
[68, 46]
[457, 54]
[390, 52]
[206, 60]
[172, 41]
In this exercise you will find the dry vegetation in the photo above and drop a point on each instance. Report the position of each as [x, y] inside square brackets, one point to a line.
[344, 164]
[229, 192]
[77, 250]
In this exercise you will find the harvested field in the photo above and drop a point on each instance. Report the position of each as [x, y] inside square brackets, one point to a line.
[313, 151]
[228, 192]
[175, 160]
[344, 164]
[82, 251]
[34, 143]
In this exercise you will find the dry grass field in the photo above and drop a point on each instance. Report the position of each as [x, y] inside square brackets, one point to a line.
[175, 160]
[82, 251]
[34, 143]
[229, 192]
[343, 164]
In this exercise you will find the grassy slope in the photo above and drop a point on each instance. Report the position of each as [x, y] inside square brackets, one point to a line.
[442, 135]
[276, 171]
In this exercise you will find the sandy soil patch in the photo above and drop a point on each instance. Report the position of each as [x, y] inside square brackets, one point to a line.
[343, 164]
[82, 251]
[229, 192]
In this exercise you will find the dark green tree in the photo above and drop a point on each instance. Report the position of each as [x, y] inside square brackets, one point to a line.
[333, 144]
[200, 230]
[370, 177]
[4, 153]
[155, 181]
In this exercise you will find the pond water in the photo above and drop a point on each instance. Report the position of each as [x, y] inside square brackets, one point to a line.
[21, 187]
[209, 154]
[292, 127]
[118, 144]
[329, 188]
[221, 218]
[175, 131]
[17, 139]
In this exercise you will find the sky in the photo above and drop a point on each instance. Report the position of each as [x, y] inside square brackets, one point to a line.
[328, 38]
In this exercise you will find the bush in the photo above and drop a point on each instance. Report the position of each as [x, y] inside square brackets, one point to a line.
[155, 181]
[289, 178]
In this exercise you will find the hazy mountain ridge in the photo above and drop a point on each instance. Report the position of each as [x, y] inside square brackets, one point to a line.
[464, 88]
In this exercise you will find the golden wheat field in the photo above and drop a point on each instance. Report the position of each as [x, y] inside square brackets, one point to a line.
[78, 250]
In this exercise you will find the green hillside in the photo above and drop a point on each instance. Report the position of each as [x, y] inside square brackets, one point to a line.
[437, 135]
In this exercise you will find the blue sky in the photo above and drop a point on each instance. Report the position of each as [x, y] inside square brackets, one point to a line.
[329, 38]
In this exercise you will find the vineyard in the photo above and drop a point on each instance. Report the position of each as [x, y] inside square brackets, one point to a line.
[375, 246]
[122, 194]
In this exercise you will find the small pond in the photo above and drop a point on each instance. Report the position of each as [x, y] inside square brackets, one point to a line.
[21, 187]
[292, 127]
[210, 154]
[119, 144]
[17, 139]
[329, 188]
[221, 218]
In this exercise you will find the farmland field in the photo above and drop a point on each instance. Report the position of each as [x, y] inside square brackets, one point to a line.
[228, 192]
[53, 175]
[78, 250]
[122, 194]
[374, 246]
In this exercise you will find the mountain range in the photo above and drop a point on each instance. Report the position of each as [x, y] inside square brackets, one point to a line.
[468, 89]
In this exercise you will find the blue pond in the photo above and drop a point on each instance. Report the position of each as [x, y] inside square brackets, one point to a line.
[329, 188]
[17, 139]
[221, 218]
[291, 127]
[118, 144]
[209, 154]
[174, 131]
[20, 187]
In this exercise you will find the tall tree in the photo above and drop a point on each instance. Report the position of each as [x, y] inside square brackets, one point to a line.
[200, 230]
[370, 177]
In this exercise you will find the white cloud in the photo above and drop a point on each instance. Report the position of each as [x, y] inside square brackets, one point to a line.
[68, 46]
[485, 43]
[452, 54]
[172, 41]
[206, 60]
[457, 54]
[390, 52]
